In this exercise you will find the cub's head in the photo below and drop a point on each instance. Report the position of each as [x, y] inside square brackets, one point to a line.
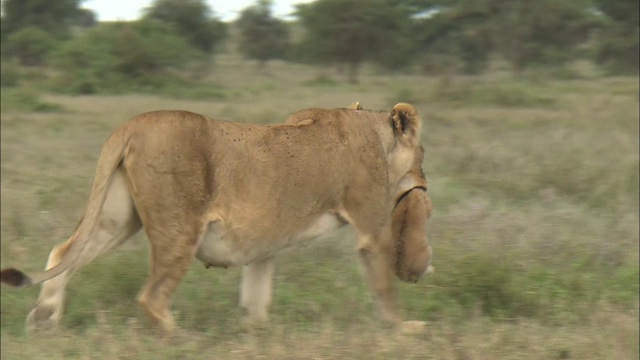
[412, 204]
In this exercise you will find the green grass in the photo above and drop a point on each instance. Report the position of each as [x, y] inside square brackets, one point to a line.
[535, 227]
[25, 100]
[509, 93]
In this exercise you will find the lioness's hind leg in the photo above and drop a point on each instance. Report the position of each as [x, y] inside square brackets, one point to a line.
[171, 256]
[255, 288]
[118, 222]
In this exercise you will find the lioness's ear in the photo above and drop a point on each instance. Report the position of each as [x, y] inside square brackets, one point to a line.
[355, 106]
[405, 120]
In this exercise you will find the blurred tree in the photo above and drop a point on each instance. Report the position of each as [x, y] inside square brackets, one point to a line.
[525, 32]
[118, 56]
[3, 32]
[53, 16]
[262, 37]
[350, 31]
[459, 31]
[541, 32]
[29, 46]
[396, 34]
[193, 19]
[618, 43]
[86, 18]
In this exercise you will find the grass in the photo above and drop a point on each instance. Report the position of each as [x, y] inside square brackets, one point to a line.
[535, 229]
[26, 100]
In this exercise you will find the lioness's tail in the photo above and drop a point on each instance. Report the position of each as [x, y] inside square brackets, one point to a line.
[110, 157]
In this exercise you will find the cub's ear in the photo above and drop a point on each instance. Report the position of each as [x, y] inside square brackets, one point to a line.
[405, 120]
[355, 106]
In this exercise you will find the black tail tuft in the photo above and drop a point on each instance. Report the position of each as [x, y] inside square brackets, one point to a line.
[14, 277]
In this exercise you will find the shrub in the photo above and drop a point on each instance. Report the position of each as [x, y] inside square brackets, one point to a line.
[192, 20]
[122, 56]
[617, 44]
[262, 36]
[9, 74]
[29, 46]
[24, 100]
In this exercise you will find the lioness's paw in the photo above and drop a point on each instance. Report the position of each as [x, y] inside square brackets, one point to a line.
[42, 319]
[248, 321]
[180, 336]
[413, 327]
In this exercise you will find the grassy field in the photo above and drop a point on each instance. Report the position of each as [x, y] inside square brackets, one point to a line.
[535, 229]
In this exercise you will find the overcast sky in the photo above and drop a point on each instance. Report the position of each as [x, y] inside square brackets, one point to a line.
[108, 10]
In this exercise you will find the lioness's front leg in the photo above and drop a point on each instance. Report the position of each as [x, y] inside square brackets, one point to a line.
[255, 288]
[379, 270]
[379, 267]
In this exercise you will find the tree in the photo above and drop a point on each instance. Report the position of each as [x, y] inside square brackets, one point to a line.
[618, 43]
[51, 16]
[262, 37]
[349, 31]
[192, 19]
[86, 18]
[29, 46]
[525, 32]
[541, 32]
[461, 31]
[121, 56]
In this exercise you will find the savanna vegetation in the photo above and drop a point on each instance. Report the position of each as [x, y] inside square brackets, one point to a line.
[531, 153]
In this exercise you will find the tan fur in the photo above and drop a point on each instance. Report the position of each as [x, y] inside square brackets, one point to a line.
[235, 194]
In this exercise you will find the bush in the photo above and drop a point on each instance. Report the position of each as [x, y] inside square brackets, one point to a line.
[192, 20]
[24, 100]
[9, 74]
[29, 46]
[122, 56]
[455, 40]
[262, 36]
[617, 52]
[618, 42]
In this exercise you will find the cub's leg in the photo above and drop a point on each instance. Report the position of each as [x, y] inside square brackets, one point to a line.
[255, 288]
[118, 222]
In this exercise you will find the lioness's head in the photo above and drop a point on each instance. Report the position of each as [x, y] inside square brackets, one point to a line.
[412, 256]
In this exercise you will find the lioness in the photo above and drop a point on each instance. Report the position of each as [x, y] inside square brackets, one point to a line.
[232, 193]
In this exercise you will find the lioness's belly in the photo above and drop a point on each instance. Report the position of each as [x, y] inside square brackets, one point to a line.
[219, 247]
